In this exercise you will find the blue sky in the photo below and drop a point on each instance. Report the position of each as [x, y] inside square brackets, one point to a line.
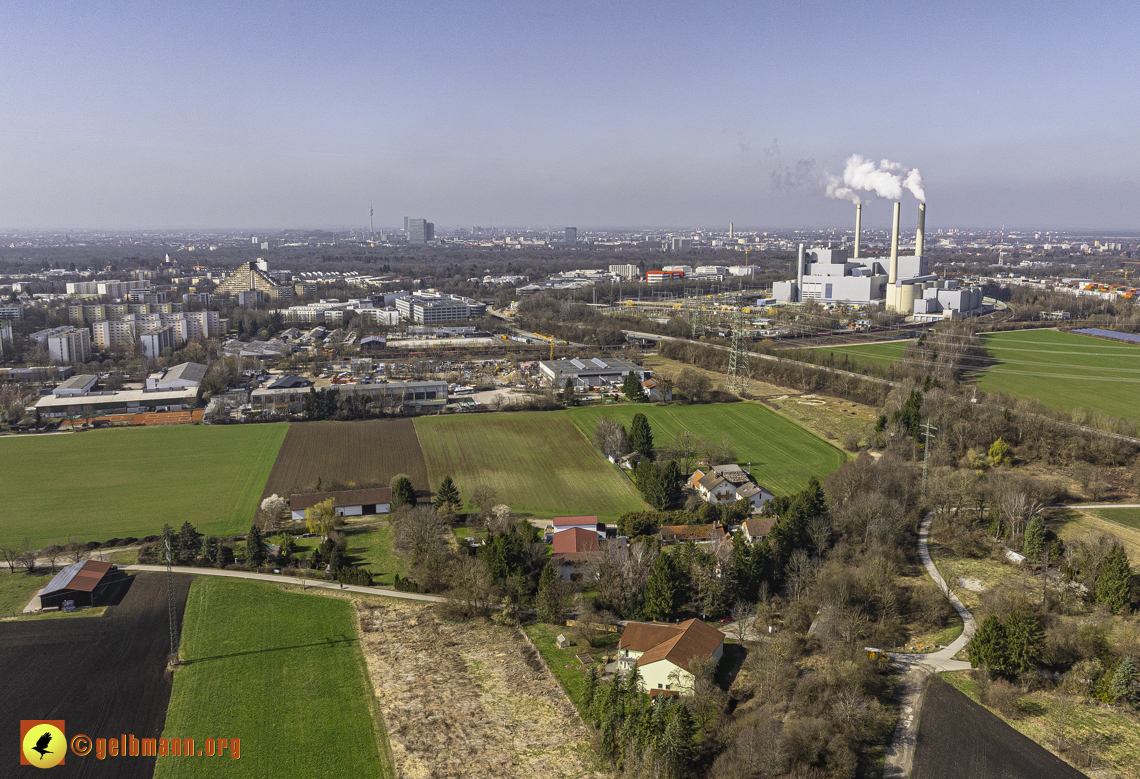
[128, 115]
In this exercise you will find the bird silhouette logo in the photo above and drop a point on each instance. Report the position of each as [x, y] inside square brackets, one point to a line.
[42, 743]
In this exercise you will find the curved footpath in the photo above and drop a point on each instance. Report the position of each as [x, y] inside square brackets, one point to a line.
[271, 577]
[917, 669]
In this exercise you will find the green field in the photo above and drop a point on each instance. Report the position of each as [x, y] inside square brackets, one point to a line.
[538, 463]
[884, 355]
[1128, 517]
[1065, 371]
[118, 483]
[281, 671]
[16, 589]
[783, 454]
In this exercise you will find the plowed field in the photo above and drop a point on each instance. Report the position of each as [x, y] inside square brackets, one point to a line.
[958, 739]
[369, 452]
[103, 676]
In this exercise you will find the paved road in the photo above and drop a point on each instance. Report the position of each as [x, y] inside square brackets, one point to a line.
[917, 669]
[1098, 506]
[270, 577]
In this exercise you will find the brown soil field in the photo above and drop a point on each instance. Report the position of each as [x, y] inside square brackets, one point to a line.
[370, 452]
[468, 699]
[958, 739]
[103, 676]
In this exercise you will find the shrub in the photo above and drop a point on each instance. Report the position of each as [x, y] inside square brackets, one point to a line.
[128, 541]
[1006, 698]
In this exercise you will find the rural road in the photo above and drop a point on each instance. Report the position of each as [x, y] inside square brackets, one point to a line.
[917, 669]
[269, 577]
[1097, 506]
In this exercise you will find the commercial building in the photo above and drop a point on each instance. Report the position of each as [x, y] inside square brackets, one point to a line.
[625, 271]
[155, 339]
[76, 385]
[429, 307]
[661, 276]
[571, 236]
[122, 402]
[379, 317]
[253, 276]
[73, 345]
[393, 397]
[420, 231]
[596, 372]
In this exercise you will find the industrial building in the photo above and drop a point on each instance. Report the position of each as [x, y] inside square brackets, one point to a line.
[905, 285]
[183, 376]
[399, 396]
[596, 372]
[121, 402]
[428, 307]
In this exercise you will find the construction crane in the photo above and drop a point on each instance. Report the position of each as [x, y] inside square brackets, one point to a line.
[1126, 270]
[551, 339]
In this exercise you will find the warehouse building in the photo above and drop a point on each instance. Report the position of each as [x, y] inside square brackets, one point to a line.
[596, 372]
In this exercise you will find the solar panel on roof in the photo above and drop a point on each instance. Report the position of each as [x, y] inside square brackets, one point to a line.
[599, 363]
[578, 364]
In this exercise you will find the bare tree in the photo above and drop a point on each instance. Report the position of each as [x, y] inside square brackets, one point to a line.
[76, 550]
[684, 449]
[819, 530]
[11, 556]
[28, 556]
[53, 552]
[744, 614]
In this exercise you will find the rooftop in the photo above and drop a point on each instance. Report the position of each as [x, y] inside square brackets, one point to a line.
[80, 577]
[363, 497]
[678, 644]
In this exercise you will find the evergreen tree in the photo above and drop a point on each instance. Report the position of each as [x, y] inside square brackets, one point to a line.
[447, 495]
[568, 396]
[651, 483]
[910, 415]
[662, 590]
[1034, 541]
[677, 741]
[1024, 642]
[403, 493]
[1125, 684]
[631, 388]
[189, 542]
[672, 480]
[210, 549]
[1114, 581]
[632, 685]
[641, 435]
[548, 601]
[987, 648]
[256, 550]
[590, 692]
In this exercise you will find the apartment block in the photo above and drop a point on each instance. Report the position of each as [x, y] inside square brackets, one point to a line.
[74, 345]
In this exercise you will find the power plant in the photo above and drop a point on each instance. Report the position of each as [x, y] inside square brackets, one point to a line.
[905, 285]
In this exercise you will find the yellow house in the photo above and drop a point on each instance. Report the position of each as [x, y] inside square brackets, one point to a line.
[662, 653]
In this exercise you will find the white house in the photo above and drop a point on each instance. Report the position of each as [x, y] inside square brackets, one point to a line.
[349, 503]
[729, 483]
[662, 653]
[757, 528]
[559, 524]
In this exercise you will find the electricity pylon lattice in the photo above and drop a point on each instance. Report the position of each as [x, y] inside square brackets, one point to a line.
[170, 604]
[693, 312]
[739, 376]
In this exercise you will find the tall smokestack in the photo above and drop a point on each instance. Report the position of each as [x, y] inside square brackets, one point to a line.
[858, 227]
[730, 231]
[918, 237]
[893, 275]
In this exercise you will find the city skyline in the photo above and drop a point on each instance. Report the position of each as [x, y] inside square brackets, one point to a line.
[203, 116]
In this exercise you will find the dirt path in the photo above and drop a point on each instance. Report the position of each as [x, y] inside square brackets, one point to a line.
[271, 577]
[917, 670]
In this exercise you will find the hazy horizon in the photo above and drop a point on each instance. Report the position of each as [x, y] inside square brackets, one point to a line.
[126, 118]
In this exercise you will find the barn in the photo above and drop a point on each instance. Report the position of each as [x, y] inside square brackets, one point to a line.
[80, 582]
[349, 503]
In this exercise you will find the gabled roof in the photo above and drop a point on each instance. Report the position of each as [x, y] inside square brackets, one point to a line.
[688, 532]
[576, 539]
[695, 479]
[80, 577]
[759, 526]
[733, 472]
[676, 643]
[290, 382]
[342, 497]
[187, 371]
[750, 489]
[712, 480]
[572, 521]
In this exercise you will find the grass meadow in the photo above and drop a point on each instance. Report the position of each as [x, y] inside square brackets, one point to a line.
[884, 355]
[117, 483]
[538, 463]
[283, 672]
[783, 454]
[1065, 371]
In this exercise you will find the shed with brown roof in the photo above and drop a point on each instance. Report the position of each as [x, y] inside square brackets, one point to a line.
[80, 582]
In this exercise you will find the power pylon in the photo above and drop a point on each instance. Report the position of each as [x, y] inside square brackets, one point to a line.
[739, 376]
[170, 605]
[928, 431]
[693, 312]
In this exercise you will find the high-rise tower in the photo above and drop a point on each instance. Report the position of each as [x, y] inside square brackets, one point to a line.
[371, 229]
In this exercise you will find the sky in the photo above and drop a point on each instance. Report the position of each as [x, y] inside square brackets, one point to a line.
[532, 114]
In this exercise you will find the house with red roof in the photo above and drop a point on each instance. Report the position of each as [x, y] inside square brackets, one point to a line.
[662, 653]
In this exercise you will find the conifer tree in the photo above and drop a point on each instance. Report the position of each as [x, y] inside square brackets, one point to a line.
[1034, 540]
[447, 495]
[1024, 641]
[256, 550]
[590, 692]
[661, 591]
[403, 493]
[1125, 684]
[641, 435]
[987, 648]
[1114, 581]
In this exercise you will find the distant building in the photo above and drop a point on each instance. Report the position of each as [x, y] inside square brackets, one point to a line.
[681, 244]
[11, 311]
[625, 271]
[430, 307]
[571, 236]
[249, 276]
[5, 338]
[182, 376]
[420, 231]
[155, 339]
[73, 345]
[113, 335]
[661, 276]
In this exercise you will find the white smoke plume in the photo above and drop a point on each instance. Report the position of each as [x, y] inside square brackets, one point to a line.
[886, 179]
